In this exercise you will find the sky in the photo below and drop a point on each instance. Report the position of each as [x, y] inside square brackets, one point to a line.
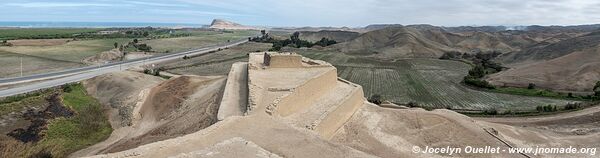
[351, 13]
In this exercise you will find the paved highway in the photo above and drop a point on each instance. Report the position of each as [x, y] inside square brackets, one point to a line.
[78, 74]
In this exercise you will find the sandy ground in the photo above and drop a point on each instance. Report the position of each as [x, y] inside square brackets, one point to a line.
[388, 132]
[582, 122]
[235, 147]
[104, 57]
[371, 131]
[136, 55]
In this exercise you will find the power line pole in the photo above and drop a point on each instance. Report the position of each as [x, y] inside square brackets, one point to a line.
[21, 58]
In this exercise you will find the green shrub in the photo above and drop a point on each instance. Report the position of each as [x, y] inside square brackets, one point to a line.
[375, 99]
[531, 86]
[477, 82]
[572, 106]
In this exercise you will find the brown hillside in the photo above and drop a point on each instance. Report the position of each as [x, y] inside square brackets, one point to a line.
[418, 41]
[339, 36]
[553, 50]
[576, 71]
[224, 24]
[397, 42]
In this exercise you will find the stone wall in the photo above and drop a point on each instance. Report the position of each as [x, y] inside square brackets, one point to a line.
[235, 95]
[284, 60]
[337, 118]
[304, 96]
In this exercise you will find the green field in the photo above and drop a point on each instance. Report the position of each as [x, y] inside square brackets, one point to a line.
[38, 59]
[199, 39]
[36, 33]
[64, 135]
[429, 82]
[74, 51]
[218, 63]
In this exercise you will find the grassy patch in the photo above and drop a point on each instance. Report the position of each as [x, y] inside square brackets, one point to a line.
[18, 102]
[42, 33]
[67, 135]
[87, 127]
[534, 92]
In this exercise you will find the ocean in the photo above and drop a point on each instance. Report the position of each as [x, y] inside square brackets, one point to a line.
[93, 24]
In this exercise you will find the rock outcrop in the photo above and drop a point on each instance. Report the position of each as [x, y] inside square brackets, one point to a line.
[228, 25]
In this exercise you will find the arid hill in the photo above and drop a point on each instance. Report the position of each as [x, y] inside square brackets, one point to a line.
[228, 25]
[339, 36]
[426, 41]
[397, 42]
[570, 65]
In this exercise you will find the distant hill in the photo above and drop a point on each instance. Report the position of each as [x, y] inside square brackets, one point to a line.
[563, 45]
[571, 64]
[224, 24]
[380, 26]
[427, 41]
[339, 36]
[398, 42]
[313, 29]
[475, 29]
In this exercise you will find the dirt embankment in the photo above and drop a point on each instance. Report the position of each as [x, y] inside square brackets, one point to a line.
[107, 56]
[582, 122]
[176, 107]
[388, 132]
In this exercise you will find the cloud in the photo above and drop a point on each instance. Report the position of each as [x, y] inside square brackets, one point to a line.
[324, 12]
[156, 4]
[196, 12]
[57, 4]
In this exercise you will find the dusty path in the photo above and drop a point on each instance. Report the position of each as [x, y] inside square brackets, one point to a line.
[588, 112]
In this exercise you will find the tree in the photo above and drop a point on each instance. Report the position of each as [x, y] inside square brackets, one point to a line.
[375, 99]
[324, 42]
[116, 45]
[477, 71]
[135, 40]
[597, 89]
[146, 34]
[263, 32]
[295, 37]
[531, 86]
[570, 95]
[144, 47]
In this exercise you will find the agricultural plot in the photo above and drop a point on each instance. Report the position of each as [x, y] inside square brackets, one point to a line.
[11, 64]
[218, 63]
[199, 39]
[40, 33]
[49, 55]
[74, 51]
[428, 82]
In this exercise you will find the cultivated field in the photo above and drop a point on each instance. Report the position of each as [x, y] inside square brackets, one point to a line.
[10, 64]
[74, 51]
[41, 33]
[46, 55]
[428, 82]
[217, 63]
[198, 39]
